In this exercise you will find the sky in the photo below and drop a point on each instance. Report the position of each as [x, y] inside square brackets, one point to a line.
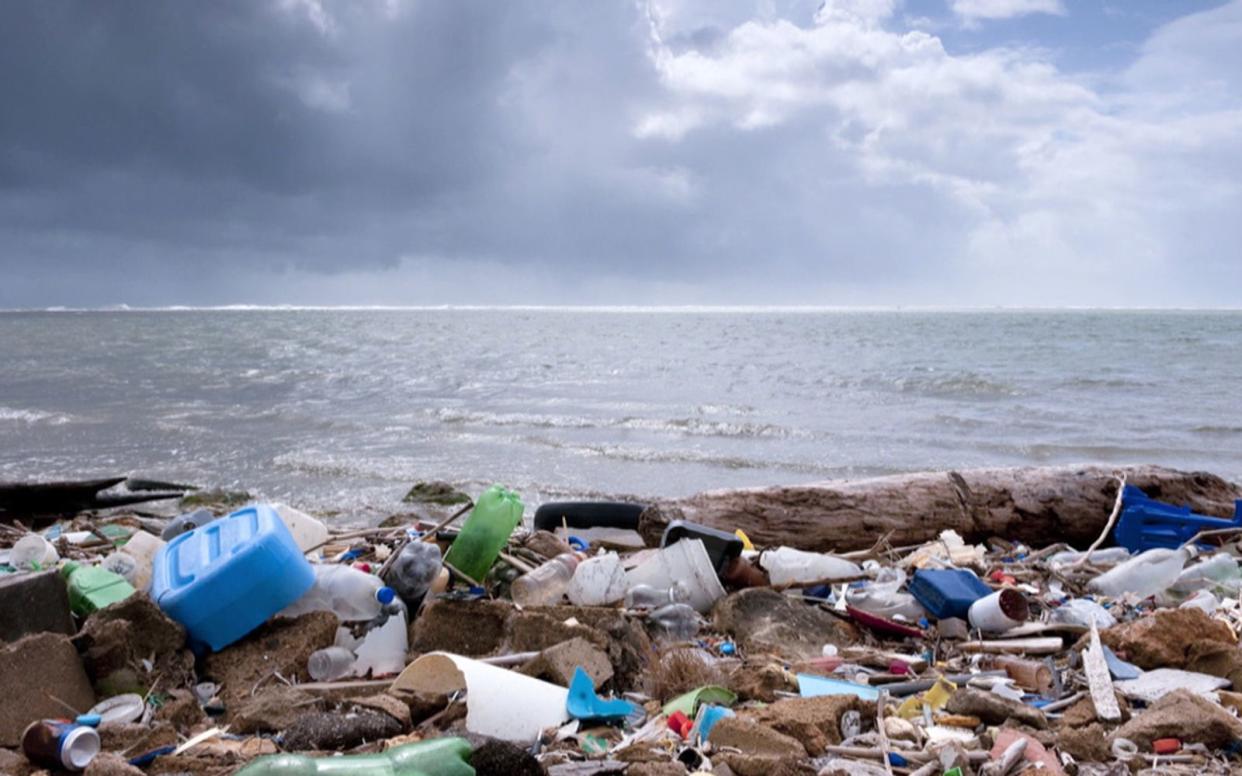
[420, 152]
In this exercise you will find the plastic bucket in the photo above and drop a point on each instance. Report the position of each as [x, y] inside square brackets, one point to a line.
[687, 564]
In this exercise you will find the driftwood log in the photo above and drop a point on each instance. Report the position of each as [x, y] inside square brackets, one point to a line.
[1038, 506]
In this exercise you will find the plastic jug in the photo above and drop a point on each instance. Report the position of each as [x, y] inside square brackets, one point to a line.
[187, 522]
[415, 568]
[483, 535]
[330, 664]
[648, 597]
[598, 581]
[437, 757]
[91, 588]
[382, 651]
[1143, 575]
[308, 532]
[546, 585]
[350, 594]
[135, 559]
[787, 566]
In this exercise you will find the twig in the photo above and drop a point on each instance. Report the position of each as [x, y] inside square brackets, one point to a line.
[883, 736]
[1108, 529]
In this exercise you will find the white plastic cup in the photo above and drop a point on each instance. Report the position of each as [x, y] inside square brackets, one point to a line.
[999, 612]
[686, 563]
[31, 550]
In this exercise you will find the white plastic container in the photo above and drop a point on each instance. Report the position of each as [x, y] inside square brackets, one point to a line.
[883, 597]
[787, 566]
[307, 531]
[1143, 575]
[31, 550]
[598, 581]
[1001, 611]
[382, 651]
[686, 563]
[351, 594]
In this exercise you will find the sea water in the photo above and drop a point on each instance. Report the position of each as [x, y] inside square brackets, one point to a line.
[345, 409]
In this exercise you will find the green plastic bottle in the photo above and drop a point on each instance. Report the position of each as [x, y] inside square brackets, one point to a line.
[91, 588]
[438, 757]
[483, 535]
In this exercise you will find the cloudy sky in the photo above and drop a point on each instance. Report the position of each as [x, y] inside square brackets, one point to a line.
[935, 152]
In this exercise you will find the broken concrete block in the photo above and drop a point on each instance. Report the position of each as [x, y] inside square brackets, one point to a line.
[755, 739]
[763, 620]
[272, 710]
[111, 764]
[471, 628]
[1166, 638]
[116, 640]
[1184, 715]
[33, 603]
[339, 730]
[557, 663]
[816, 722]
[281, 646]
[32, 671]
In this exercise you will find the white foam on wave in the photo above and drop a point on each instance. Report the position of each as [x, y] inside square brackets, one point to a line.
[30, 417]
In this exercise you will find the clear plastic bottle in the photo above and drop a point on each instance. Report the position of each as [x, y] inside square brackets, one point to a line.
[330, 664]
[786, 565]
[546, 585]
[436, 757]
[415, 568]
[350, 594]
[1220, 569]
[1143, 575]
[676, 622]
[648, 597]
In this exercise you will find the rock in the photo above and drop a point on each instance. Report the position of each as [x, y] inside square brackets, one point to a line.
[546, 544]
[181, 710]
[435, 493]
[33, 603]
[755, 739]
[1088, 744]
[470, 628]
[338, 730]
[501, 758]
[387, 704]
[993, 709]
[1166, 637]
[763, 620]
[116, 641]
[1217, 659]
[32, 670]
[14, 764]
[557, 663]
[745, 764]
[1034, 505]
[1186, 716]
[626, 639]
[534, 630]
[657, 769]
[111, 764]
[219, 500]
[280, 646]
[134, 737]
[1082, 713]
[272, 710]
[813, 721]
[760, 680]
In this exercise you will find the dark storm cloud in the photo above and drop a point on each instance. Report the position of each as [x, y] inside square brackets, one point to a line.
[665, 150]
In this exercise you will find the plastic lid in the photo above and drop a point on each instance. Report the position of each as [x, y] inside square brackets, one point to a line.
[78, 747]
[120, 708]
[385, 595]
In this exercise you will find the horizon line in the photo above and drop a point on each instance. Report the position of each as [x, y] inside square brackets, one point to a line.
[692, 308]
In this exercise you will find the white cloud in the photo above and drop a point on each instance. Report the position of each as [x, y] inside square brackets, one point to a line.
[971, 11]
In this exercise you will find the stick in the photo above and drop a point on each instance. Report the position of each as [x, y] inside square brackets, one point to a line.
[879, 727]
[1112, 520]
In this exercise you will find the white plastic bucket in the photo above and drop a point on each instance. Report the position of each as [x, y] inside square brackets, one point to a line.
[685, 562]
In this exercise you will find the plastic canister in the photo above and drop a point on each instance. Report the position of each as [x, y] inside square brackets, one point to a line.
[685, 563]
[483, 535]
[91, 588]
[382, 651]
[60, 744]
[787, 566]
[947, 592]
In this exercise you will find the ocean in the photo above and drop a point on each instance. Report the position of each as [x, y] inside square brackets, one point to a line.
[342, 410]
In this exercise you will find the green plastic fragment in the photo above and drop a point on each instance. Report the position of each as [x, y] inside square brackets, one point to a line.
[688, 704]
[437, 757]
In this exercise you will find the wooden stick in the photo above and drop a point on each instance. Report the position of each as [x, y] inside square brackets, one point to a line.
[1112, 520]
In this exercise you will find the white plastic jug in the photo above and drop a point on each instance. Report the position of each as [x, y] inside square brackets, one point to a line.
[1143, 575]
[142, 547]
[598, 581]
[351, 594]
[383, 649]
[307, 531]
[787, 566]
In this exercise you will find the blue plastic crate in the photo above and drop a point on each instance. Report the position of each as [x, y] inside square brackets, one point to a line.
[225, 579]
[947, 592]
[1146, 523]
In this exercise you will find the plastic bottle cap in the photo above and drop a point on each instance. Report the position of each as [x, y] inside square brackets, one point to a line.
[385, 595]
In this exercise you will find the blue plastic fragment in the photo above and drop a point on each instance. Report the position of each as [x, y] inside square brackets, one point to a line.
[578, 543]
[708, 716]
[812, 686]
[143, 760]
[1120, 669]
[947, 593]
[728, 648]
[89, 720]
[584, 704]
[897, 761]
